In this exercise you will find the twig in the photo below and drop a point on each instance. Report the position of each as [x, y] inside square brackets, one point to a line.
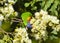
[16, 20]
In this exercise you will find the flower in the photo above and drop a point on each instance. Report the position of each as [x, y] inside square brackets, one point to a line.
[21, 36]
[11, 1]
[54, 20]
[50, 24]
[36, 36]
[2, 1]
[32, 20]
[7, 10]
[42, 12]
[40, 23]
[37, 15]
[56, 28]
[1, 17]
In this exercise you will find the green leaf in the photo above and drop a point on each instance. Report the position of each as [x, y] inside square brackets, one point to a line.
[34, 8]
[54, 32]
[26, 4]
[53, 37]
[15, 0]
[37, 0]
[25, 16]
[52, 41]
[54, 7]
[43, 3]
[1, 41]
[34, 40]
[33, 2]
[6, 26]
[7, 39]
[48, 4]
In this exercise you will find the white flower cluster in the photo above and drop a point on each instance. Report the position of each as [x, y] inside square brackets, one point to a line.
[2, 1]
[40, 23]
[7, 9]
[9, 1]
[1, 17]
[21, 36]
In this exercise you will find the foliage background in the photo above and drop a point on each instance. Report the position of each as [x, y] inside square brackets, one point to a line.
[52, 6]
[32, 6]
